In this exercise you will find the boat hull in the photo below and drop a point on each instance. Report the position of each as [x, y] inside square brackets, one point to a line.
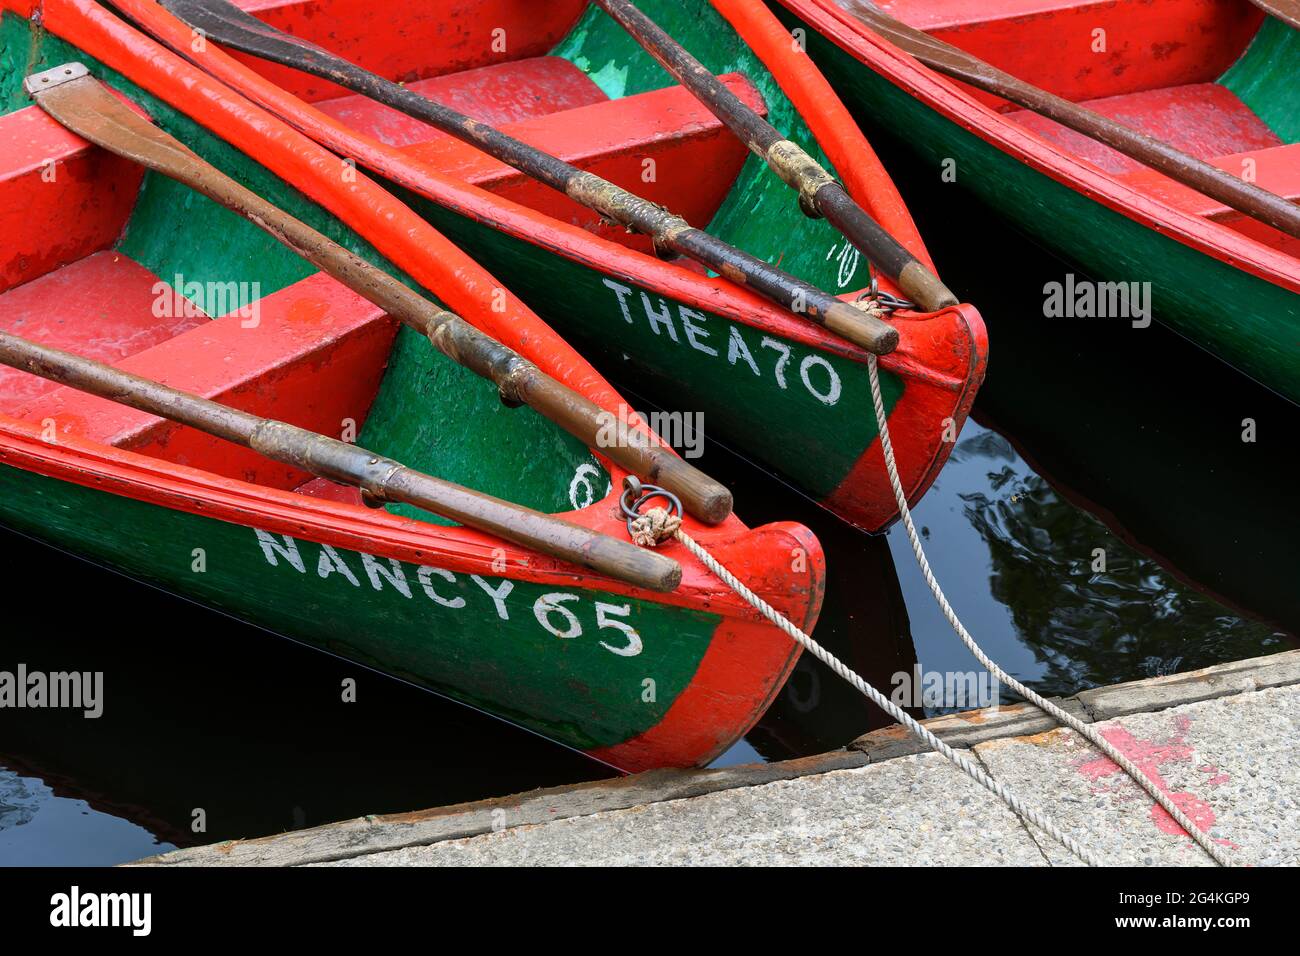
[1249, 320]
[779, 391]
[619, 676]
[496, 626]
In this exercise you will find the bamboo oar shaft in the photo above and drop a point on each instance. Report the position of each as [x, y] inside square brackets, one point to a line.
[86, 107]
[380, 478]
[819, 192]
[230, 26]
[1199, 175]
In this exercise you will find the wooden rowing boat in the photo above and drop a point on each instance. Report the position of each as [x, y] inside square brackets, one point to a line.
[145, 274]
[777, 387]
[1211, 78]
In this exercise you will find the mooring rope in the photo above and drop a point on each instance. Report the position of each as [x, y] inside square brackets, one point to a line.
[1203, 839]
[658, 524]
[661, 517]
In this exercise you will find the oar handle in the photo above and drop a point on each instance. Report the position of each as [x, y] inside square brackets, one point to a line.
[914, 279]
[710, 500]
[819, 192]
[86, 107]
[380, 478]
[1288, 11]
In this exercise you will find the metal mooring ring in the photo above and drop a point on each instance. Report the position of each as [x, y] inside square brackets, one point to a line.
[635, 495]
[889, 302]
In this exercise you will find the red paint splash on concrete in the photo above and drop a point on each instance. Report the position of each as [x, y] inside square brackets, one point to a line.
[1217, 779]
[1149, 756]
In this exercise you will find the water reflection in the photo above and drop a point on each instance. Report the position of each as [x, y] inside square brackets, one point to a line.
[864, 621]
[1061, 600]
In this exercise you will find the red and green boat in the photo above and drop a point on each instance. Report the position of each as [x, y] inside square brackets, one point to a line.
[563, 76]
[138, 271]
[1215, 79]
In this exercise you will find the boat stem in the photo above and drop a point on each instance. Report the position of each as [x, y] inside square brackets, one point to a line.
[85, 106]
[226, 24]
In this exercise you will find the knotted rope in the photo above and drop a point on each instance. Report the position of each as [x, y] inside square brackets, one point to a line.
[654, 526]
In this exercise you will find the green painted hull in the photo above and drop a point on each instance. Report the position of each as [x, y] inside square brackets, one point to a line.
[763, 395]
[486, 641]
[553, 658]
[1249, 322]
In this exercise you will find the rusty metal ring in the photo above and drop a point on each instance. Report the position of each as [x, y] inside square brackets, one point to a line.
[639, 494]
[886, 300]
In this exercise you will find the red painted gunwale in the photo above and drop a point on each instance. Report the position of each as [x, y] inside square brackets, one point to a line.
[748, 660]
[957, 104]
[942, 355]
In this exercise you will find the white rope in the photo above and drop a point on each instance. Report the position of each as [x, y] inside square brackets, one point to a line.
[657, 524]
[1202, 838]
[1021, 809]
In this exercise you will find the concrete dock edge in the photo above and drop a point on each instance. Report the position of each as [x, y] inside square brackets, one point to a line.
[350, 840]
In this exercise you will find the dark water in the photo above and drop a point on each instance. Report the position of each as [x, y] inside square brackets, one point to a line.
[1088, 435]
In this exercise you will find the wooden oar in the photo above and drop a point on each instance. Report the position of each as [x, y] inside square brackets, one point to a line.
[228, 25]
[820, 194]
[1288, 11]
[380, 479]
[1213, 182]
[88, 108]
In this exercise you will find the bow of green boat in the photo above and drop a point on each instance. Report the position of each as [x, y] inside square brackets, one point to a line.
[1209, 83]
[570, 81]
[140, 272]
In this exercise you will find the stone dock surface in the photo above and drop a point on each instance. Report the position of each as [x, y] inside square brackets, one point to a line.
[1224, 742]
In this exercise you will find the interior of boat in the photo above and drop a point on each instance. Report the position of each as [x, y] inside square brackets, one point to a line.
[138, 271]
[566, 78]
[1213, 78]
